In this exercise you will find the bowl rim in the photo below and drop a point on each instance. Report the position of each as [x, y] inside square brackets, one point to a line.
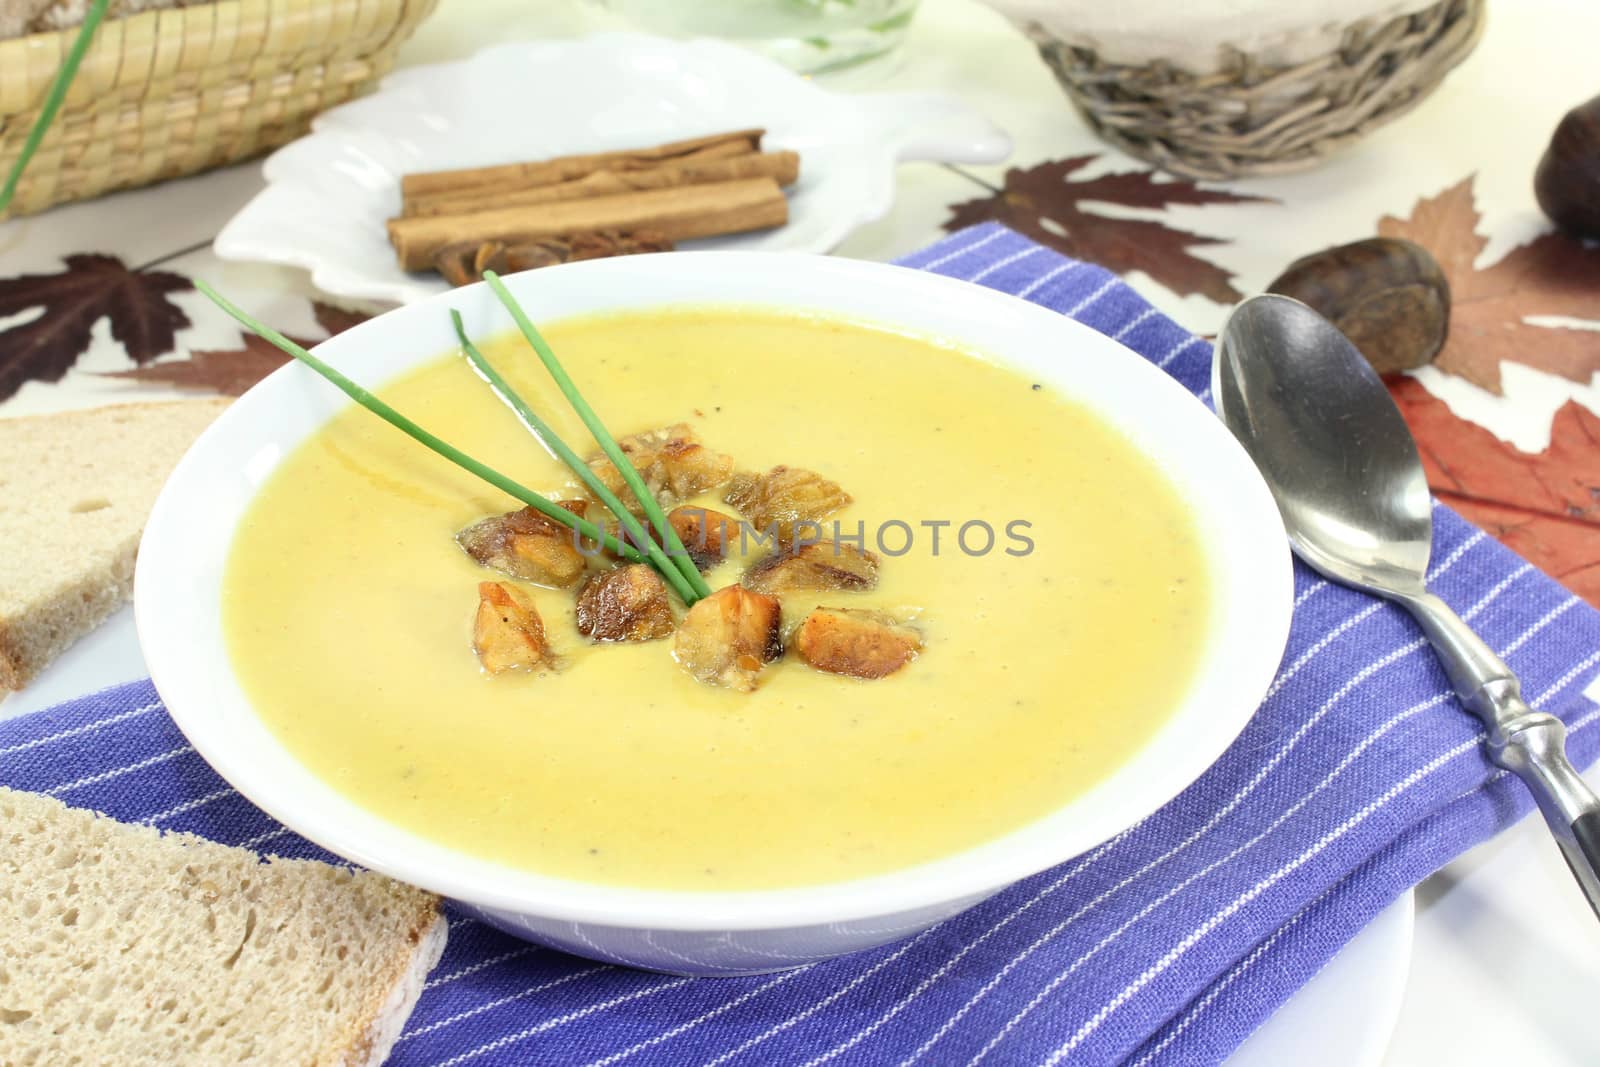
[178, 582]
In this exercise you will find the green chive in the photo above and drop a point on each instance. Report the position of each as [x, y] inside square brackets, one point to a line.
[418, 434]
[608, 444]
[53, 99]
[554, 443]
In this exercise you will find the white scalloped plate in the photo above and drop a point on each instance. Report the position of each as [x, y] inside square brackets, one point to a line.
[328, 194]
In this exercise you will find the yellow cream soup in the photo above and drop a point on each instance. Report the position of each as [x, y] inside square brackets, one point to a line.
[348, 610]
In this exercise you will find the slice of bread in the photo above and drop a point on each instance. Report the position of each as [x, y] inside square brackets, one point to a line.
[122, 944]
[76, 489]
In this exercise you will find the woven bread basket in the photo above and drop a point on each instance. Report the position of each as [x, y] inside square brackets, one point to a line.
[170, 92]
[1269, 106]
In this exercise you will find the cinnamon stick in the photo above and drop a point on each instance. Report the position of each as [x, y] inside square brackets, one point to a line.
[784, 167]
[566, 168]
[677, 214]
[463, 264]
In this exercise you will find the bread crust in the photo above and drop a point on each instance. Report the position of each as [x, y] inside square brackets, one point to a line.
[389, 1008]
[81, 485]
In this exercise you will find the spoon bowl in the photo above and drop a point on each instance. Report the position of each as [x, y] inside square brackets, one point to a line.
[1329, 441]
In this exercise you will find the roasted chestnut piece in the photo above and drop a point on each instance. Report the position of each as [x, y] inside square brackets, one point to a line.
[728, 637]
[783, 497]
[671, 461]
[815, 567]
[858, 642]
[625, 604]
[528, 545]
[507, 633]
[704, 533]
[1387, 295]
[1567, 182]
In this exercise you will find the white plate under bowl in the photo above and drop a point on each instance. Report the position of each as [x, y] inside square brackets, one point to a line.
[329, 193]
[178, 605]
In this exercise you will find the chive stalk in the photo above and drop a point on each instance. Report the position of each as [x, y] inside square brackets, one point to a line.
[417, 433]
[608, 444]
[54, 98]
[540, 429]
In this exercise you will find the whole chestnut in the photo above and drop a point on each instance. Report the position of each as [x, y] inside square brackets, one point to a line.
[1385, 294]
[1567, 182]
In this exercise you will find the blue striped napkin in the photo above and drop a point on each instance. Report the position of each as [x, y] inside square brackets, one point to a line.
[1165, 945]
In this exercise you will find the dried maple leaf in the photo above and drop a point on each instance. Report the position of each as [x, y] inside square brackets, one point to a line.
[1045, 203]
[1553, 274]
[336, 320]
[70, 302]
[1544, 506]
[231, 371]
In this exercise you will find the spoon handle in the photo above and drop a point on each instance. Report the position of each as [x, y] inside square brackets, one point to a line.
[1529, 743]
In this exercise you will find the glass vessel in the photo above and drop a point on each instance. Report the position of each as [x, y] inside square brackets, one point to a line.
[809, 36]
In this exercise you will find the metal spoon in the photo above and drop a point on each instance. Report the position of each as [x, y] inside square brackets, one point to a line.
[1341, 463]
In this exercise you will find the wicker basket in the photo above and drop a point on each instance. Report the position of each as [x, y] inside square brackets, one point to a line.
[1253, 116]
[171, 92]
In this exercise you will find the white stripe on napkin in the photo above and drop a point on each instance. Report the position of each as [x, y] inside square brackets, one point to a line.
[1110, 284]
[1047, 277]
[1177, 349]
[1232, 976]
[560, 1020]
[188, 805]
[692, 1023]
[824, 1002]
[78, 731]
[1005, 261]
[963, 250]
[491, 1005]
[1015, 913]
[482, 965]
[104, 776]
[1134, 323]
